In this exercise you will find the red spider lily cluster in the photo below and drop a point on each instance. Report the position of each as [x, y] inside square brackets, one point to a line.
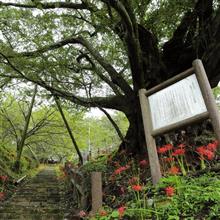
[121, 211]
[207, 151]
[174, 170]
[178, 152]
[170, 191]
[169, 147]
[171, 156]
[204, 152]
[137, 188]
[118, 171]
[165, 149]
[121, 169]
[129, 179]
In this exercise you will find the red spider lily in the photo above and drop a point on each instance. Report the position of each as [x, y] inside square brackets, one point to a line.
[215, 142]
[133, 180]
[200, 150]
[162, 150]
[120, 169]
[212, 147]
[168, 146]
[203, 151]
[82, 214]
[170, 191]
[2, 196]
[178, 152]
[165, 148]
[143, 163]
[209, 154]
[4, 178]
[137, 188]
[174, 170]
[121, 211]
[103, 213]
[168, 159]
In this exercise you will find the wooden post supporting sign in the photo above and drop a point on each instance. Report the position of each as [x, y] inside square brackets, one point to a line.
[208, 96]
[150, 141]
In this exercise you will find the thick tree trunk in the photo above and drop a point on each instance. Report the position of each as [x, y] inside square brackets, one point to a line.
[134, 141]
[177, 55]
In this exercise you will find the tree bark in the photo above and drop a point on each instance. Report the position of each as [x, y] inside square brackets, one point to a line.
[134, 140]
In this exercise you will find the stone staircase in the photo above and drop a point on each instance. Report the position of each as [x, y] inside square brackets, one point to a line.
[39, 199]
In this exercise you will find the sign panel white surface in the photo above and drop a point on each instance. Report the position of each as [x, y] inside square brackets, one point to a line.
[176, 103]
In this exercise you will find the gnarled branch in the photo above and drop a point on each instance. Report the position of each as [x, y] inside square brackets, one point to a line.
[112, 102]
[48, 5]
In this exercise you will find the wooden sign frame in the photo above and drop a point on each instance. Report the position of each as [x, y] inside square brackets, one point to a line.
[212, 113]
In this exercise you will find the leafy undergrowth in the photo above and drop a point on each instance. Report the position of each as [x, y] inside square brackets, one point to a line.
[188, 190]
[175, 197]
[9, 185]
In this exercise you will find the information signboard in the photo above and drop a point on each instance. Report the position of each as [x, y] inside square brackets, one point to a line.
[176, 103]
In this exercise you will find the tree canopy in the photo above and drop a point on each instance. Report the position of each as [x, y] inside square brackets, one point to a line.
[99, 53]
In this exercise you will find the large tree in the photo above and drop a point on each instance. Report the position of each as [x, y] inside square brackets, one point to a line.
[99, 53]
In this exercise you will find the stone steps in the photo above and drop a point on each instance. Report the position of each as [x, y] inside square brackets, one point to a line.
[40, 199]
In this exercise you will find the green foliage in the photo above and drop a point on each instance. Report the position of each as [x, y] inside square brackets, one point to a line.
[7, 158]
[164, 16]
[195, 197]
[102, 133]
[51, 140]
[216, 91]
[98, 165]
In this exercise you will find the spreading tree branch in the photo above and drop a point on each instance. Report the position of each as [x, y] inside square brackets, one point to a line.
[120, 135]
[119, 7]
[69, 130]
[49, 5]
[12, 125]
[131, 39]
[112, 102]
[40, 124]
[115, 76]
[99, 73]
